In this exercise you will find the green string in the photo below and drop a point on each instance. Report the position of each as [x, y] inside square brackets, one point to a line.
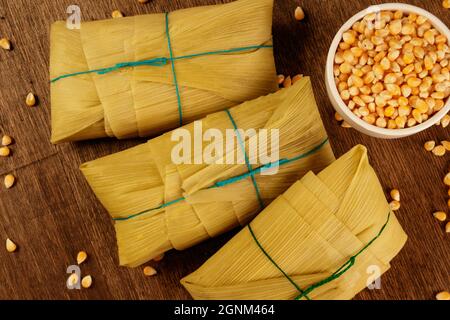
[231, 180]
[169, 203]
[175, 82]
[162, 61]
[247, 161]
[274, 263]
[270, 165]
[339, 272]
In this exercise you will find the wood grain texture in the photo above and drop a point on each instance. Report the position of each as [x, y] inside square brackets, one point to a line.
[52, 214]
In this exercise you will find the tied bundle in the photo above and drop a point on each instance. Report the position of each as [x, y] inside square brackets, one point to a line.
[158, 205]
[321, 239]
[142, 75]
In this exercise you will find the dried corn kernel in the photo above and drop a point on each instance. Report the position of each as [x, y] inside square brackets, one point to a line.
[6, 140]
[296, 78]
[439, 151]
[287, 82]
[395, 194]
[391, 124]
[149, 271]
[344, 124]
[81, 257]
[447, 179]
[445, 121]
[446, 4]
[10, 246]
[381, 122]
[159, 258]
[5, 44]
[394, 205]
[30, 100]
[9, 181]
[338, 117]
[440, 215]
[444, 295]
[348, 37]
[280, 78]
[446, 144]
[86, 282]
[4, 151]
[299, 14]
[447, 227]
[429, 145]
[117, 14]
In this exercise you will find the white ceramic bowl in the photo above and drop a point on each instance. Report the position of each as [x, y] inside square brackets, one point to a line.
[333, 92]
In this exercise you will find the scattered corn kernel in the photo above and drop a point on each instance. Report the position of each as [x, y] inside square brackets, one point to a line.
[338, 117]
[429, 145]
[399, 64]
[117, 14]
[287, 82]
[446, 4]
[280, 78]
[299, 14]
[445, 121]
[447, 179]
[6, 140]
[395, 194]
[446, 144]
[444, 295]
[440, 215]
[159, 258]
[86, 282]
[9, 181]
[142, 1]
[81, 257]
[30, 100]
[149, 271]
[296, 78]
[438, 151]
[4, 151]
[344, 124]
[5, 44]
[394, 205]
[447, 227]
[10, 245]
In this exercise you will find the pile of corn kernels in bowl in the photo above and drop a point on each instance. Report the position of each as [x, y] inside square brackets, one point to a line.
[392, 69]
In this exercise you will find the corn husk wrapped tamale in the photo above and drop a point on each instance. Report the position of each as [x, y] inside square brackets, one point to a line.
[145, 177]
[142, 101]
[309, 232]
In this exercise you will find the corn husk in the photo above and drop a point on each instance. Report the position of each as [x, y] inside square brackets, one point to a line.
[310, 231]
[141, 101]
[144, 177]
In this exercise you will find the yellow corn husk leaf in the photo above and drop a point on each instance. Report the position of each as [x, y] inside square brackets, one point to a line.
[142, 101]
[145, 177]
[309, 231]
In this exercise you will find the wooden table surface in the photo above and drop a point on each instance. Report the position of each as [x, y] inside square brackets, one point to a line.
[51, 213]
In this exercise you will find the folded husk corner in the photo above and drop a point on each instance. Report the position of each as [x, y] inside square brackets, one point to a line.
[309, 231]
[142, 101]
[145, 177]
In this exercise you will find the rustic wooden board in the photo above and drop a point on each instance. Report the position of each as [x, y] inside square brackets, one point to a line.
[52, 214]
